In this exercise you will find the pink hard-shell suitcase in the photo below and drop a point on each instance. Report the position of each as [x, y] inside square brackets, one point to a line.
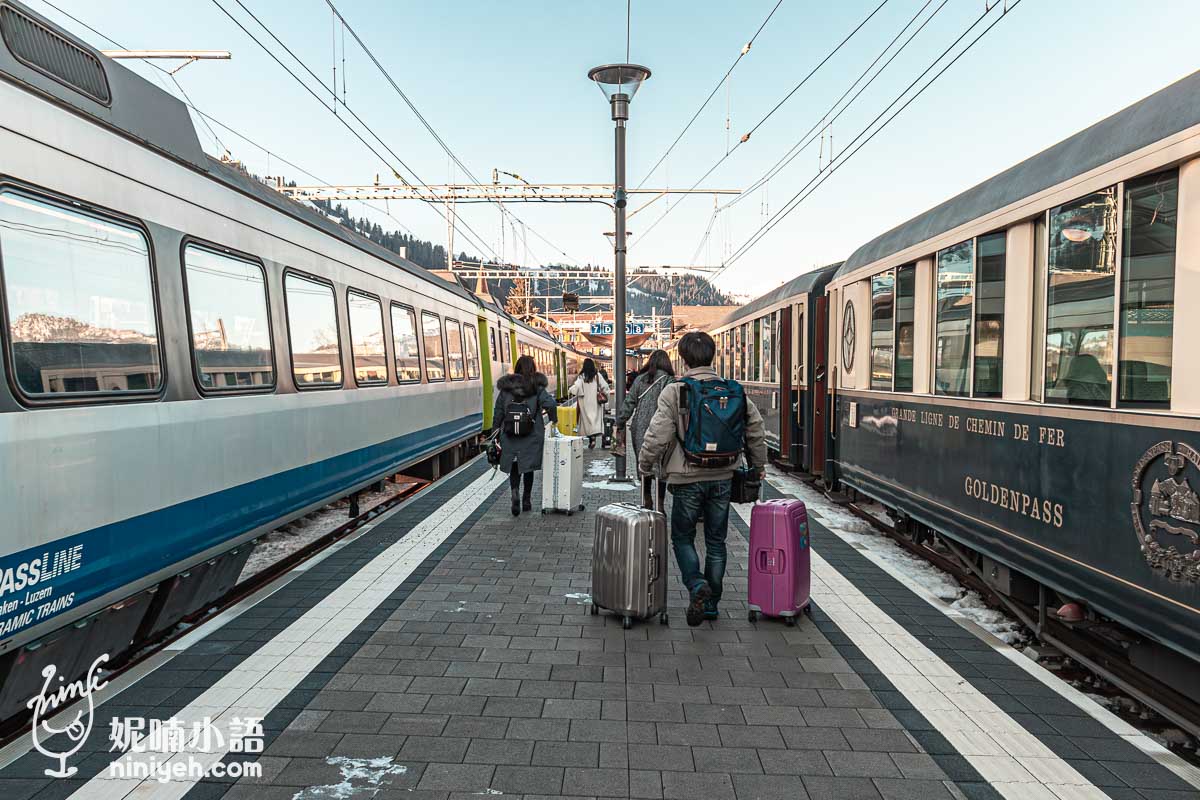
[780, 564]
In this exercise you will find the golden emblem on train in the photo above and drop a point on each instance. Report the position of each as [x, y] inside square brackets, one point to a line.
[1166, 515]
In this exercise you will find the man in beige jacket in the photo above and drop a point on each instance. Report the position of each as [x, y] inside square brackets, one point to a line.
[697, 492]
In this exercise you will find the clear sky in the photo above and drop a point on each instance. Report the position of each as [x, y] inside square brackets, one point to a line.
[505, 85]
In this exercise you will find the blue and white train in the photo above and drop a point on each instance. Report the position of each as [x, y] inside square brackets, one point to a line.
[189, 359]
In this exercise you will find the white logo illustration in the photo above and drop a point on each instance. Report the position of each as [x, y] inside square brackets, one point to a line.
[53, 697]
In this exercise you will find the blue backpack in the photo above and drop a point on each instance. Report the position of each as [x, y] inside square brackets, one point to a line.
[715, 433]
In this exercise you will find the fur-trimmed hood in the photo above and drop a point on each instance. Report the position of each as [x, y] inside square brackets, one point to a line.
[521, 387]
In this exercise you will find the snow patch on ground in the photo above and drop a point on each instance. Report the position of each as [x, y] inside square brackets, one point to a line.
[361, 777]
[1000, 625]
[281, 543]
[609, 487]
[601, 468]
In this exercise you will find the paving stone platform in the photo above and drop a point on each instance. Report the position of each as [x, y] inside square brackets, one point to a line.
[483, 673]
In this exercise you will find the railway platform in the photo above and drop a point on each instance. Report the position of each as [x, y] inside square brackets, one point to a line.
[447, 650]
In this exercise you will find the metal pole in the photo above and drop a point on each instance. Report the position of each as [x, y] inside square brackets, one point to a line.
[620, 113]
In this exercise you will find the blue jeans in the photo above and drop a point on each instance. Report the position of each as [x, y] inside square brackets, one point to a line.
[707, 500]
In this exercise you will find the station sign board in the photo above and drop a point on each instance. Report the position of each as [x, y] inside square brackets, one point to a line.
[606, 328]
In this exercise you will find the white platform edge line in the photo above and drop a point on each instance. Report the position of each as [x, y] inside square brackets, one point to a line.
[1093, 709]
[1001, 763]
[383, 568]
[21, 747]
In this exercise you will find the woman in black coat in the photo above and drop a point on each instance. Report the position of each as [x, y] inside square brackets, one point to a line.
[521, 455]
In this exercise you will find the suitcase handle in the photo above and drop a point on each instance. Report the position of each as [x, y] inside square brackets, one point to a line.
[650, 493]
[653, 567]
[778, 567]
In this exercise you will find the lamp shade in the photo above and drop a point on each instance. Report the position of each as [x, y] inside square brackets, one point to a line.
[619, 79]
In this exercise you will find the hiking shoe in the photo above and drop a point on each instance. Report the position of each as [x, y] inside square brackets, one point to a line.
[695, 609]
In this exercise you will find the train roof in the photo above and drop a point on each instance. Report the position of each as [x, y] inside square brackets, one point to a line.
[1166, 112]
[39, 55]
[805, 282]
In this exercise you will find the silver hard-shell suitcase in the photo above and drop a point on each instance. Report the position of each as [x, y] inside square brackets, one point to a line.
[629, 560]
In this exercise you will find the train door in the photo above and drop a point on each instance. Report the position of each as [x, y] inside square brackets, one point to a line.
[489, 367]
[560, 362]
[787, 385]
[821, 405]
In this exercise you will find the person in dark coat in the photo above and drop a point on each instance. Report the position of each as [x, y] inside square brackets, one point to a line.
[521, 455]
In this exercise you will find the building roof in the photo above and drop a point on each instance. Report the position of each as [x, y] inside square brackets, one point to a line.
[813, 280]
[1166, 112]
[700, 317]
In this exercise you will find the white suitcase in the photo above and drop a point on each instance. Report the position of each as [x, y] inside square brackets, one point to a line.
[562, 474]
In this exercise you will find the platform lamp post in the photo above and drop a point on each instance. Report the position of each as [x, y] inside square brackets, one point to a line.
[620, 83]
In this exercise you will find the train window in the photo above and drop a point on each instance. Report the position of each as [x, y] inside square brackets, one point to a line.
[952, 335]
[1079, 300]
[737, 353]
[989, 316]
[404, 344]
[454, 349]
[231, 332]
[1148, 290]
[906, 292]
[471, 340]
[883, 312]
[81, 316]
[756, 348]
[366, 340]
[431, 332]
[776, 342]
[492, 336]
[313, 333]
[800, 350]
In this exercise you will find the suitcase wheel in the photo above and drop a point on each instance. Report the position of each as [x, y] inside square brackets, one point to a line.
[595, 609]
[789, 621]
[545, 511]
[808, 609]
[752, 616]
[626, 622]
[663, 619]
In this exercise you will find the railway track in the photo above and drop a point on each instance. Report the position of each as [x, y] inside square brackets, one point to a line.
[1075, 651]
[16, 727]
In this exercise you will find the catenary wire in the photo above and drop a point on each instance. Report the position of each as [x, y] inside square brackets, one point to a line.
[834, 112]
[209, 118]
[746, 137]
[807, 190]
[742, 54]
[829, 117]
[475, 239]
[428, 127]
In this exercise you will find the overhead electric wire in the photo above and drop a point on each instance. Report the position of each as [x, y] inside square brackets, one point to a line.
[742, 54]
[425, 123]
[807, 190]
[830, 117]
[431, 202]
[746, 137]
[209, 118]
[806, 78]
